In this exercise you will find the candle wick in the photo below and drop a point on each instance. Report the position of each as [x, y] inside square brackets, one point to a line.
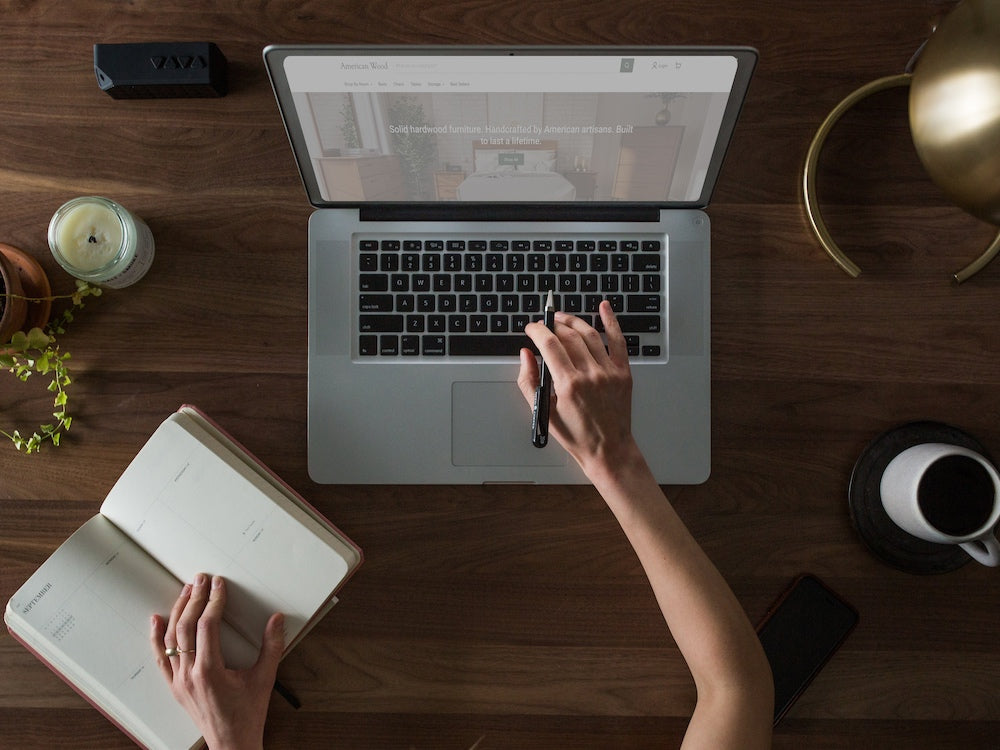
[92, 239]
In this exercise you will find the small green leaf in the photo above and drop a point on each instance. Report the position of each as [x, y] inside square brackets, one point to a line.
[19, 341]
[37, 339]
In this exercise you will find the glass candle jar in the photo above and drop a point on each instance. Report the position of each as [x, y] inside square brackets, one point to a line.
[98, 241]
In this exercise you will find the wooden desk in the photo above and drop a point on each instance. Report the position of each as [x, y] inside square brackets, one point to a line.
[518, 617]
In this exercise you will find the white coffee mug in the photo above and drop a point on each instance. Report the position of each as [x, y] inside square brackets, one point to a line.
[945, 494]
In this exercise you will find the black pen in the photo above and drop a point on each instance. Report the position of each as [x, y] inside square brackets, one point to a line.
[543, 393]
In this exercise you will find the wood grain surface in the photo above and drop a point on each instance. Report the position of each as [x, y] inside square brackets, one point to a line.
[519, 617]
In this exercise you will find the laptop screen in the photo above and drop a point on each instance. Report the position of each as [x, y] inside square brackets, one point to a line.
[430, 125]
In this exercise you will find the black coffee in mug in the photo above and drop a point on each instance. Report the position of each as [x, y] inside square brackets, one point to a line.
[955, 495]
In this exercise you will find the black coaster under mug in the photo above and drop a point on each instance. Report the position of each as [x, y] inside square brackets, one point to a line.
[880, 534]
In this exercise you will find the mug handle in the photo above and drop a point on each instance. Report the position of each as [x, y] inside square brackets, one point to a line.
[985, 550]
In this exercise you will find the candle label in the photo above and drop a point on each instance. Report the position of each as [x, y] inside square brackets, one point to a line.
[140, 261]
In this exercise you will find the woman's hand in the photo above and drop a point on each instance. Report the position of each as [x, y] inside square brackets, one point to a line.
[591, 410]
[229, 706]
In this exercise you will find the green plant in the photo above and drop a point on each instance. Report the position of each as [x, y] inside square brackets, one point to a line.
[415, 143]
[36, 352]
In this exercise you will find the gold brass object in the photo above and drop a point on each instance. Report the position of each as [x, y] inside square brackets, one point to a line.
[955, 107]
[954, 120]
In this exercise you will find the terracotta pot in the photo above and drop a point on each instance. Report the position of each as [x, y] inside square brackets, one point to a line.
[14, 309]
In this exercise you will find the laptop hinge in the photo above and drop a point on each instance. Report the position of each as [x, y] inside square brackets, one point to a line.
[501, 212]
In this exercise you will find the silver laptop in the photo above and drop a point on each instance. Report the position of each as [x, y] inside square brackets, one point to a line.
[456, 186]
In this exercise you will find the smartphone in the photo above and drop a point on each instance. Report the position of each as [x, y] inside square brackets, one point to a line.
[801, 631]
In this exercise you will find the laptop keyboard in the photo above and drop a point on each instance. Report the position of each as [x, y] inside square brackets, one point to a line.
[472, 297]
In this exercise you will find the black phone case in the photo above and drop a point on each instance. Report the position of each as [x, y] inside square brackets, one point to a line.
[784, 701]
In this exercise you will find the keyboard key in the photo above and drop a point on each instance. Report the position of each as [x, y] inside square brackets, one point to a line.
[368, 346]
[645, 263]
[599, 263]
[381, 323]
[388, 346]
[376, 303]
[645, 303]
[410, 346]
[432, 346]
[373, 282]
[488, 345]
[639, 323]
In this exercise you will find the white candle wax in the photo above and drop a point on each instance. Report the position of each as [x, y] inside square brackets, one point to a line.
[99, 241]
[89, 236]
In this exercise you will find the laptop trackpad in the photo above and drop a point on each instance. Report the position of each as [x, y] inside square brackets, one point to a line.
[491, 426]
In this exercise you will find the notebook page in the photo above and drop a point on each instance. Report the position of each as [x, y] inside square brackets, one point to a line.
[195, 512]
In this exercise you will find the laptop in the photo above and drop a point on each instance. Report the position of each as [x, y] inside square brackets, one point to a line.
[456, 186]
